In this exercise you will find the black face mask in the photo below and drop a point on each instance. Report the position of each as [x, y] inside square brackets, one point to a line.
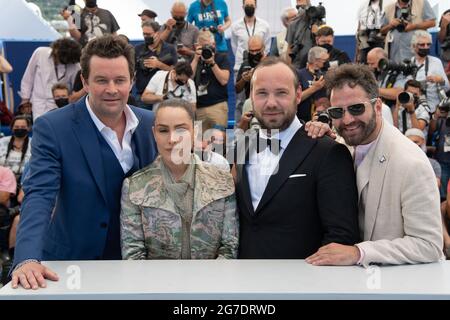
[254, 59]
[249, 11]
[423, 52]
[91, 3]
[149, 41]
[179, 82]
[179, 20]
[20, 133]
[61, 102]
[327, 46]
[326, 66]
[405, 1]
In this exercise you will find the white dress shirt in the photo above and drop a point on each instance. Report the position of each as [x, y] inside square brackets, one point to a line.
[240, 33]
[263, 165]
[124, 153]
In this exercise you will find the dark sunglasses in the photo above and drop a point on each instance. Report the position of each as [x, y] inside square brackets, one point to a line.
[355, 109]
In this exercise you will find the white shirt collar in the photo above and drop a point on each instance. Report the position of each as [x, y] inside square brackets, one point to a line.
[286, 135]
[131, 120]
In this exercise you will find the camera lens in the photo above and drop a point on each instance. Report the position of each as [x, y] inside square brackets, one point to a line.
[405, 97]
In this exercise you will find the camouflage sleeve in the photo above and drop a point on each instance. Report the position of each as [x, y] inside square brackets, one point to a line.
[131, 229]
[230, 233]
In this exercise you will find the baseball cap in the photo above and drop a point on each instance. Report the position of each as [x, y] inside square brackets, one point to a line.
[148, 13]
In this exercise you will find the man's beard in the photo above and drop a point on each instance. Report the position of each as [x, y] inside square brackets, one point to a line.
[367, 130]
[286, 122]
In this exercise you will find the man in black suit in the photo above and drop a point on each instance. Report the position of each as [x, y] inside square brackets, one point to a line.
[300, 193]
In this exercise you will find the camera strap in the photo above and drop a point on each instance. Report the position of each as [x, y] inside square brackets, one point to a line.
[248, 31]
[213, 8]
[166, 84]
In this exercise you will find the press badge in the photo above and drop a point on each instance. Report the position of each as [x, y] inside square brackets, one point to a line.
[202, 91]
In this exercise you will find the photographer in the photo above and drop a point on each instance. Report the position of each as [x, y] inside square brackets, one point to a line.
[94, 22]
[444, 36]
[368, 36]
[151, 56]
[180, 33]
[390, 80]
[300, 32]
[171, 84]
[401, 19]
[440, 133]
[252, 57]
[430, 70]
[312, 81]
[411, 110]
[47, 66]
[211, 15]
[211, 75]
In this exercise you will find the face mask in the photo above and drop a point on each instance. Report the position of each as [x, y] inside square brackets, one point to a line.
[327, 46]
[179, 82]
[326, 66]
[179, 20]
[423, 52]
[20, 133]
[218, 148]
[91, 3]
[61, 102]
[254, 59]
[249, 11]
[149, 41]
[405, 1]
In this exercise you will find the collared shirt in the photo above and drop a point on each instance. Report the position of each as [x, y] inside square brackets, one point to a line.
[361, 151]
[241, 32]
[39, 77]
[124, 152]
[264, 164]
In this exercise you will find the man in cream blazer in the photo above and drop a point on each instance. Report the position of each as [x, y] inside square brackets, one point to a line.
[399, 204]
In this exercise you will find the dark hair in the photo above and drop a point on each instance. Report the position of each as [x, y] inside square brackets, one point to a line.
[271, 61]
[109, 47]
[25, 143]
[60, 86]
[352, 75]
[67, 50]
[413, 83]
[183, 68]
[177, 103]
[152, 24]
[324, 31]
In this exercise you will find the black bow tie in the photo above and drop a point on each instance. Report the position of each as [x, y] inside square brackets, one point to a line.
[273, 144]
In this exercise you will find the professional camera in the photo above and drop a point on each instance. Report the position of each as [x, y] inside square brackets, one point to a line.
[322, 116]
[406, 97]
[407, 68]
[316, 15]
[373, 37]
[213, 29]
[405, 17]
[246, 66]
[207, 52]
[444, 104]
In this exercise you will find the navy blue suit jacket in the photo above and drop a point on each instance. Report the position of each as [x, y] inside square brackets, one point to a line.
[65, 207]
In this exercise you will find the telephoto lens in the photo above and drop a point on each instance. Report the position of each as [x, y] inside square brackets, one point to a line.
[405, 97]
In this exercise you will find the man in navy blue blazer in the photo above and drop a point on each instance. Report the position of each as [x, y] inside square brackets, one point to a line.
[80, 156]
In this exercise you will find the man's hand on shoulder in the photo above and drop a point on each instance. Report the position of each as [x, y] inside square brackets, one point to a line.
[318, 129]
[32, 275]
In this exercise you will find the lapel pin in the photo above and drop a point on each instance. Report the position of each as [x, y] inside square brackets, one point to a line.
[382, 159]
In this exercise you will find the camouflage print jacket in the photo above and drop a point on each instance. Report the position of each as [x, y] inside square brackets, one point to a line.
[151, 228]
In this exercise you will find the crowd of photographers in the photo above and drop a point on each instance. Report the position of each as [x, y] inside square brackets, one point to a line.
[186, 57]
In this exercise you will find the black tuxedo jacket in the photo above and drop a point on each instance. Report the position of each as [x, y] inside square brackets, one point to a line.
[310, 202]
